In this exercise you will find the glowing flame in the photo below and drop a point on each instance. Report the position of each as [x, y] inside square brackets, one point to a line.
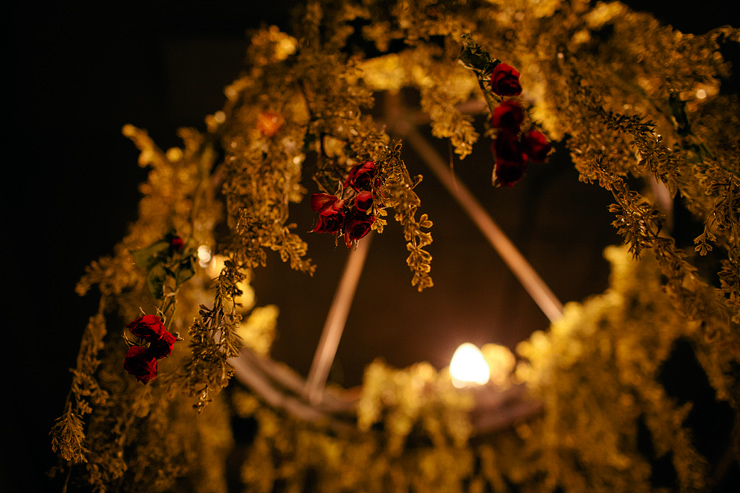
[468, 366]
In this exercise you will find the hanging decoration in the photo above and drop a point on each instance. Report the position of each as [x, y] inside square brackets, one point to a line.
[640, 109]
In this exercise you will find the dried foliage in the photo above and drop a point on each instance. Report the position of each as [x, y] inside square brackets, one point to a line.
[412, 432]
[639, 107]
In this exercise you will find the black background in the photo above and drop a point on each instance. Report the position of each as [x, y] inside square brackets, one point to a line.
[77, 73]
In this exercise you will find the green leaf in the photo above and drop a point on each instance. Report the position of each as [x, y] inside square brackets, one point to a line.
[148, 257]
[155, 280]
[186, 270]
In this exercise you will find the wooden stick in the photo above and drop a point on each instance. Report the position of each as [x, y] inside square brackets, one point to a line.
[289, 381]
[280, 400]
[335, 320]
[527, 276]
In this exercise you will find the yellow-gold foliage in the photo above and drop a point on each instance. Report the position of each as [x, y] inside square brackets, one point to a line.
[641, 111]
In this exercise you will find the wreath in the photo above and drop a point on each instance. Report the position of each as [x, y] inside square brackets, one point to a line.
[641, 111]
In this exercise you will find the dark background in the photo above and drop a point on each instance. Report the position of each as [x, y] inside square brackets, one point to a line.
[77, 73]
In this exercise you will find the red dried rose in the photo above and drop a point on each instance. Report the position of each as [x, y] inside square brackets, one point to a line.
[361, 176]
[329, 222]
[163, 347]
[511, 160]
[505, 80]
[269, 123]
[508, 149]
[141, 363]
[536, 146]
[364, 201]
[331, 213]
[356, 226]
[508, 115]
[177, 243]
[148, 327]
[505, 174]
[320, 201]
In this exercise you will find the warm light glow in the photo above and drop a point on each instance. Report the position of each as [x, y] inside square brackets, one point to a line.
[204, 256]
[216, 265]
[501, 361]
[701, 94]
[468, 366]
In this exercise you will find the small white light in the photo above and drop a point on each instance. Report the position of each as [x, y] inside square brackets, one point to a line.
[468, 366]
[204, 256]
[701, 94]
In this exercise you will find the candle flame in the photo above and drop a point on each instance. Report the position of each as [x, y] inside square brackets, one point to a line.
[468, 366]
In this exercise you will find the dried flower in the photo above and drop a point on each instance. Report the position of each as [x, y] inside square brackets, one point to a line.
[508, 149]
[147, 327]
[331, 213]
[508, 115]
[356, 226]
[364, 201]
[152, 330]
[511, 161]
[361, 176]
[330, 221]
[177, 243]
[505, 80]
[162, 347]
[141, 363]
[507, 174]
[536, 146]
[320, 201]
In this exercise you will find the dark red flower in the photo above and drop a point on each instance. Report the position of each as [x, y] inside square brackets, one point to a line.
[508, 148]
[505, 174]
[148, 327]
[141, 363]
[511, 161]
[508, 115]
[331, 213]
[329, 223]
[536, 146]
[361, 176]
[176, 243]
[356, 226]
[163, 347]
[319, 201]
[364, 201]
[505, 80]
